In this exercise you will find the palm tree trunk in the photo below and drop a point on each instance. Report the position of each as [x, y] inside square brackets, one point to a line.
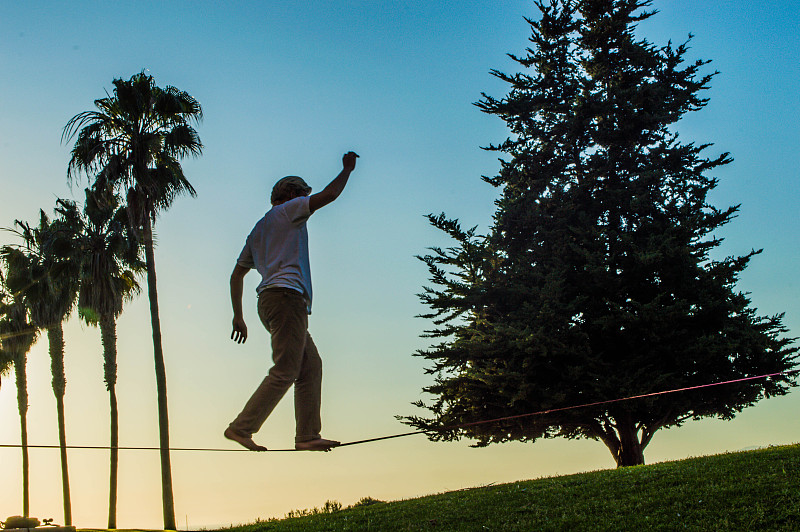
[22, 406]
[108, 334]
[161, 380]
[55, 336]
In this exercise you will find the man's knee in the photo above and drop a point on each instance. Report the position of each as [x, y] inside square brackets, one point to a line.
[287, 367]
[284, 375]
[312, 368]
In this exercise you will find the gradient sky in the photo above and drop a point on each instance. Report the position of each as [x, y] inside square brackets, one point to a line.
[286, 88]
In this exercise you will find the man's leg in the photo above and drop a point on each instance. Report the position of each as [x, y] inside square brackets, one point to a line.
[284, 314]
[308, 394]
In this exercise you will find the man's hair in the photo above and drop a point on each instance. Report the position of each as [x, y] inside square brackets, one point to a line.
[289, 187]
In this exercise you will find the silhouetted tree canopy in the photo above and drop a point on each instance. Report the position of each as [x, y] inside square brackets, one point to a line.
[596, 280]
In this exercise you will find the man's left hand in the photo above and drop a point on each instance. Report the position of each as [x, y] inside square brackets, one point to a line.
[239, 334]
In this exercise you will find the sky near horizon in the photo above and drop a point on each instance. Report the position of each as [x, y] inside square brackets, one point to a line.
[287, 88]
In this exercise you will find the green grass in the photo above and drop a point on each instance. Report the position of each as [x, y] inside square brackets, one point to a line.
[754, 490]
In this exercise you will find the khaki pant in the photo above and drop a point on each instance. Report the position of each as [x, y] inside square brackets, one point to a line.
[296, 361]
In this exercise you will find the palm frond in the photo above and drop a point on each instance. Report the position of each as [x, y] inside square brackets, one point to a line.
[132, 144]
[183, 140]
[110, 258]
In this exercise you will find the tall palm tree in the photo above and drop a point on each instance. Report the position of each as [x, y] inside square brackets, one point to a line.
[132, 143]
[109, 263]
[48, 284]
[17, 335]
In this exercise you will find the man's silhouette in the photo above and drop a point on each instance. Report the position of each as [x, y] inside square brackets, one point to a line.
[277, 248]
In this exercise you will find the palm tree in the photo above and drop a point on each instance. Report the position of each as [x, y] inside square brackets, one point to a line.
[109, 263]
[48, 275]
[16, 338]
[6, 358]
[132, 143]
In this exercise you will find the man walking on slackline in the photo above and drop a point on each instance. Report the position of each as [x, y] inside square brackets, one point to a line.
[278, 248]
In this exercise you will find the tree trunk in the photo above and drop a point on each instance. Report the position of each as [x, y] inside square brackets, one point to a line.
[55, 336]
[22, 406]
[630, 451]
[108, 334]
[622, 439]
[161, 380]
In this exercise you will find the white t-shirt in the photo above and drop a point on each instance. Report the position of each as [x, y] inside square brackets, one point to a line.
[277, 248]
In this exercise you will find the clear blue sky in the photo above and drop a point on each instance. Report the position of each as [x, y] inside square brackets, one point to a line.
[287, 88]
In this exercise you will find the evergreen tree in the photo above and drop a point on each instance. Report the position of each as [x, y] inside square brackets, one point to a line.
[595, 281]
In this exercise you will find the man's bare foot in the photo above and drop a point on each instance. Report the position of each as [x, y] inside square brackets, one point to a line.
[244, 441]
[316, 445]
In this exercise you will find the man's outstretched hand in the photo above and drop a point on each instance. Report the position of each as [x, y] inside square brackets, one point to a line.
[239, 334]
[349, 161]
[335, 187]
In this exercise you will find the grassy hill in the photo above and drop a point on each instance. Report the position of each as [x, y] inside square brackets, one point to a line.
[754, 490]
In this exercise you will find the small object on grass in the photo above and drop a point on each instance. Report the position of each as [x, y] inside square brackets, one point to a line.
[17, 521]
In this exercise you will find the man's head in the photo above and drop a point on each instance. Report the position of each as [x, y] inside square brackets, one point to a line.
[287, 188]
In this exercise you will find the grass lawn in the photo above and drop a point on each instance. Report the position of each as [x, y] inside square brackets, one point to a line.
[754, 490]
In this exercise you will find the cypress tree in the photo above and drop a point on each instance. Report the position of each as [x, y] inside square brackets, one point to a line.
[595, 281]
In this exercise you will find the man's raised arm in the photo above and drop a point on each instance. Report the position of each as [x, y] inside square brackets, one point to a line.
[335, 187]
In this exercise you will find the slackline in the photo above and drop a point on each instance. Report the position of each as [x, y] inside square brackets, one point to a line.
[412, 433]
